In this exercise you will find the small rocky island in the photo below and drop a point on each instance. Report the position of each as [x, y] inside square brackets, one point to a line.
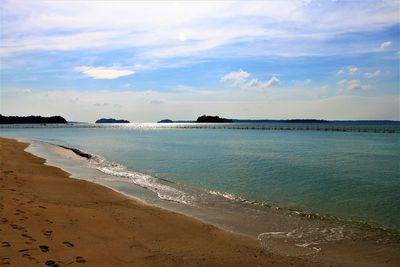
[165, 121]
[211, 119]
[31, 119]
[103, 120]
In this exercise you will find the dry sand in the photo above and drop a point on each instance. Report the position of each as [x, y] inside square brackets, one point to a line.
[49, 219]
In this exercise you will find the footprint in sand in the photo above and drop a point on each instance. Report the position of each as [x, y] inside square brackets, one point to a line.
[80, 259]
[5, 261]
[5, 244]
[47, 233]
[20, 211]
[26, 255]
[44, 248]
[51, 263]
[25, 235]
[68, 244]
[29, 237]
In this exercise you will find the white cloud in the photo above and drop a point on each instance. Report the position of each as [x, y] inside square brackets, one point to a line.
[386, 44]
[374, 74]
[341, 72]
[353, 70]
[271, 82]
[236, 77]
[239, 78]
[104, 72]
[27, 90]
[354, 85]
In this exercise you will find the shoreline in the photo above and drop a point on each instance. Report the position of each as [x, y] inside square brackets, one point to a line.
[49, 218]
[290, 211]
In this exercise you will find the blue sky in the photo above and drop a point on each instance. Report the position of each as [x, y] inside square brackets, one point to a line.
[146, 61]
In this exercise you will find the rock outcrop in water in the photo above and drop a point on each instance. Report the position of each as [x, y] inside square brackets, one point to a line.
[103, 120]
[78, 152]
[31, 119]
[211, 119]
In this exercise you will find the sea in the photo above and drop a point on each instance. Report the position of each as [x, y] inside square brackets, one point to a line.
[327, 192]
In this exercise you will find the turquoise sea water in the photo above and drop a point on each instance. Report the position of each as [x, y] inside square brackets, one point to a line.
[349, 175]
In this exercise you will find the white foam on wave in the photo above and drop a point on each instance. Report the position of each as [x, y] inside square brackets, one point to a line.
[164, 192]
[306, 237]
[227, 195]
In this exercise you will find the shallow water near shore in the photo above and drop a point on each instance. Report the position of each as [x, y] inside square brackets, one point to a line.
[296, 191]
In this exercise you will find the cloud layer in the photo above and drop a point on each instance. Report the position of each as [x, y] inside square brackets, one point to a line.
[232, 58]
[104, 72]
[170, 29]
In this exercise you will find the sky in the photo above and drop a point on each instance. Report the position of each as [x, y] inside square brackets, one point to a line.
[147, 61]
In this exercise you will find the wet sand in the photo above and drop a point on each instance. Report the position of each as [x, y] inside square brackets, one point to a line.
[49, 219]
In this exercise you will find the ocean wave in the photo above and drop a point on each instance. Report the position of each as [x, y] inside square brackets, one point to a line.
[237, 198]
[226, 195]
[309, 235]
[152, 183]
[164, 192]
[307, 238]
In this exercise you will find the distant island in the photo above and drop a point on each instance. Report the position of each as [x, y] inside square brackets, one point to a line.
[165, 121]
[217, 119]
[212, 119]
[171, 121]
[103, 120]
[31, 119]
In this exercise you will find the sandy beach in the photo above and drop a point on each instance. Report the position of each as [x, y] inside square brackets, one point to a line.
[49, 219]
